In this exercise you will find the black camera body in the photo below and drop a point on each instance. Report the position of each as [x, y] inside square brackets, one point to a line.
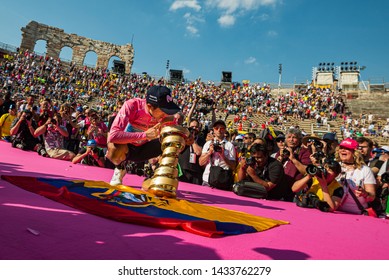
[385, 177]
[311, 200]
[140, 169]
[316, 143]
[217, 146]
[28, 117]
[319, 155]
[250, 161]
[285, 153]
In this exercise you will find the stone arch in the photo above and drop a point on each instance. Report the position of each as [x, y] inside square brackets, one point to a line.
[56, 39]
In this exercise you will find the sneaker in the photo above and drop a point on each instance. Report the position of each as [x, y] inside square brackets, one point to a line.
[117, 177]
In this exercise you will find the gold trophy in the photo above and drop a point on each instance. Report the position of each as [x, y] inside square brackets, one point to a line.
[164, 182]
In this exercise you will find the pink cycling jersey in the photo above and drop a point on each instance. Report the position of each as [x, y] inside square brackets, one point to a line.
[131, 123]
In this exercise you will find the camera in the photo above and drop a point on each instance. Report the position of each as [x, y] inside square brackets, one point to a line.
[385, 177]
[28, 117]
[140, 169]
[193, 131]
[316, 143]
[314, 170]
[319, 155]
[42, 151]
[311, 200]
[54, 121]
[285, 153]
[217, 147]
[250, 161]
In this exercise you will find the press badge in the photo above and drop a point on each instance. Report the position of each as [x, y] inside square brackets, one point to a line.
[192, 158]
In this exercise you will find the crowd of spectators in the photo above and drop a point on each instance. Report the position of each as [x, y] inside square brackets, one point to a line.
[64, 111]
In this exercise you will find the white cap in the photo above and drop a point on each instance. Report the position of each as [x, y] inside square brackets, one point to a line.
[385, 148]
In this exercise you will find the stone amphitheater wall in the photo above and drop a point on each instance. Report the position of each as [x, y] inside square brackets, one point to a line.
[56, 39]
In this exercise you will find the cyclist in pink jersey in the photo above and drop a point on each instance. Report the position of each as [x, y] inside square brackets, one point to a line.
[134, 132]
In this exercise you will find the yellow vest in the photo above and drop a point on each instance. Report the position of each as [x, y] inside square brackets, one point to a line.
[316, 189]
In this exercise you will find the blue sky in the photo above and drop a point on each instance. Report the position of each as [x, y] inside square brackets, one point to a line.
[250, 38]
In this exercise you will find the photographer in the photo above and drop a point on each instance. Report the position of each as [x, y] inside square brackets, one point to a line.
[264, 170]
[189, 157]
[294, 158]
[383, 181]
[384, 192]
[319, 187]
[365, 146]
[316, 146]
[22, 130]
[217, 151]
[91, 155]
[53, 137]
[330, 142]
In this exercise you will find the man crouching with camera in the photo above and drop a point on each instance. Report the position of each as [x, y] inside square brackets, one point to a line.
[319, 188]
[90, 155]
[258, 167]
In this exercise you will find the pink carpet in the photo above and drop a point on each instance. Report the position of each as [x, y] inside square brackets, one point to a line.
[33, 227]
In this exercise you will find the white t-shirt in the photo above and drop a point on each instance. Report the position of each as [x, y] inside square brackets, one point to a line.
[355, 179]
[229, 152]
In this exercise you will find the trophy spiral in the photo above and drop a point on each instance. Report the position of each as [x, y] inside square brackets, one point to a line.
[164, 182]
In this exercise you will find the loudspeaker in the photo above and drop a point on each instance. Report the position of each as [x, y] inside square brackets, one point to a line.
[226, 77]
[176, 76]
[119, 66]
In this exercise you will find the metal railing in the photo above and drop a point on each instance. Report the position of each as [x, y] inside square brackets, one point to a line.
[8, 47]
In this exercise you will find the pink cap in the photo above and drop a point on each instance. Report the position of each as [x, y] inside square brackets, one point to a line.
[349, 143]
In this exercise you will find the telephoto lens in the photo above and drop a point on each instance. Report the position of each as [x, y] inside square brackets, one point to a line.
[311, 169]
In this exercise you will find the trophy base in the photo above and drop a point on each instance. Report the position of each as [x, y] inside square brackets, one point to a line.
[164, 191]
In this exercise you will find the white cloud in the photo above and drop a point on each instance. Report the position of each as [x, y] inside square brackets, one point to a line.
[238, 7]
[228, 11]
[231, 6]
[180, 4]
[191, 21]
[272, 33]
[250, 60]
[226, 20]
[192, 30]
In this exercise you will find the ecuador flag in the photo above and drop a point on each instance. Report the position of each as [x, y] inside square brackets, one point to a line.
[130, 205]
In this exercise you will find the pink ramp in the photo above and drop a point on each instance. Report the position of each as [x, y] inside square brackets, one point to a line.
[34, 227]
